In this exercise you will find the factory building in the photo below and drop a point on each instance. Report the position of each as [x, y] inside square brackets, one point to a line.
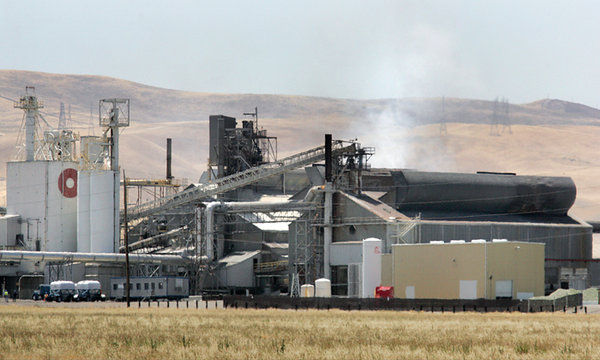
[479, 269]
[466, 270]
[261, 224]
[414, 207]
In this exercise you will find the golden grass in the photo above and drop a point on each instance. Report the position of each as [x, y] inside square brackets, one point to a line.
[60, 333]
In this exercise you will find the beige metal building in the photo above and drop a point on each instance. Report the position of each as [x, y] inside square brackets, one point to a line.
[459, 270]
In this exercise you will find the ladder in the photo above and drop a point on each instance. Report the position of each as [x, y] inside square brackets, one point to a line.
[234, 181]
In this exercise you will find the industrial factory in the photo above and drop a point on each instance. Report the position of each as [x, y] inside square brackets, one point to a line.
[256, 223]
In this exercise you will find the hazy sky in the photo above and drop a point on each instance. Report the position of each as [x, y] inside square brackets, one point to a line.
[522, 50]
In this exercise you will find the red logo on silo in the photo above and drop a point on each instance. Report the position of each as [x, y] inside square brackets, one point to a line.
[67, 182]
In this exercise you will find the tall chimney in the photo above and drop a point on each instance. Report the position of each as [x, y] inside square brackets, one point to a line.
[328, 157]
[169, 176]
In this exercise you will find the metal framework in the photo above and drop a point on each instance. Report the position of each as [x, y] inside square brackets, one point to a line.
[235, 181]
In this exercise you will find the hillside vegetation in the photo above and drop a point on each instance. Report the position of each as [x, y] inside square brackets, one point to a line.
[546, 137]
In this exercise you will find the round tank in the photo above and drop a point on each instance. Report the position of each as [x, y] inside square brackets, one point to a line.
[483, 192]
[323, 288]
[371, 266]
[95, 220]
[44, 194]
[307, 290]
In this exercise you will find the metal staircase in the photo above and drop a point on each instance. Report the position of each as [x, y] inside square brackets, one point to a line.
[232, 182]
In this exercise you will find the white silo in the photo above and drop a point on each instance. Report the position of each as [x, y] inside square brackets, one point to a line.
[44, 193]
[371, 266]
[95, 212]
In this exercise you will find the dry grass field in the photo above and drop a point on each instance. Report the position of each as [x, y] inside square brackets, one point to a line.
[61, 333]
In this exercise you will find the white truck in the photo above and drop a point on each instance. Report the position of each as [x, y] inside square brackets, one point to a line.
[89, 290]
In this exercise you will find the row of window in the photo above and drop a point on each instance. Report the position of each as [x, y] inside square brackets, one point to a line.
[138, 286]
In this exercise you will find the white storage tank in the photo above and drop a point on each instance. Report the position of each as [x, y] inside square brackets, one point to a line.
[44, 194]
[371, 266]
[95, 211]
[307, 290]
[323, 288]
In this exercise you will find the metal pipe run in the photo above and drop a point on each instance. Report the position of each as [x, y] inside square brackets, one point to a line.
[10, 255]
[243, 207]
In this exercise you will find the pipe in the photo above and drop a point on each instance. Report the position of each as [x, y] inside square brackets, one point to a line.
[152, 240]
[210, 212]
[327, 229]
[249, 206]
[9, 255]
[169, 176]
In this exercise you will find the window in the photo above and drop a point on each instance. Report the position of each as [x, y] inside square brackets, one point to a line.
[160, 285]
[339, 280]
[138, 286]
[153, 286]
[145, 286]
[115, 286]
[130, 286]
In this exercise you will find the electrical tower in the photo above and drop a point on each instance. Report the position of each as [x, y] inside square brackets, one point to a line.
[506, 117]
[443, 128]
[500, 117]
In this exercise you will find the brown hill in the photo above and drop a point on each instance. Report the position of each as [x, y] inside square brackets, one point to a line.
[549, 137]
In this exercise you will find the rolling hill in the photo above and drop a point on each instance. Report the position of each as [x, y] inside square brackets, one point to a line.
[546, 137]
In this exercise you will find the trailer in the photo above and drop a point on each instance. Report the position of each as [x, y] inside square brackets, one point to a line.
[150, 288]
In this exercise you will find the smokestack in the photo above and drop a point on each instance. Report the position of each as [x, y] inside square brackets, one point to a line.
[169, 176]
[328, 158]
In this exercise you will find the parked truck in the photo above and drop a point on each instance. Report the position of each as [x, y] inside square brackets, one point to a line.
[61, 291]
[89, 290]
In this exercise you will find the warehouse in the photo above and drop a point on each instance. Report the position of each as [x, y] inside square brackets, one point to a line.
[461, 270]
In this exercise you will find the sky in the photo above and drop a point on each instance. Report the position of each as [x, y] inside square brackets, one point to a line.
[519, 50]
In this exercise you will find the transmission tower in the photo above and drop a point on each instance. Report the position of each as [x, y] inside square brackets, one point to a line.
[506, 116]
[443, 128]
[500, 117]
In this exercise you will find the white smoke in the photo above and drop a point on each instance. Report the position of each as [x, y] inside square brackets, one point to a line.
[425, 65]
[388, 132]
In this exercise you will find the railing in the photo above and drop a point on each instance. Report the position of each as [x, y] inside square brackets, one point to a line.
[270, 266]
[233, 181]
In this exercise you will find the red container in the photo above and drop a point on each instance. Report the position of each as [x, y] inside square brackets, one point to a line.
[384, 292]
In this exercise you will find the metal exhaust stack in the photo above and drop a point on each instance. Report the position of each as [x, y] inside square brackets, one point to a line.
[328, 208]
[169, 174]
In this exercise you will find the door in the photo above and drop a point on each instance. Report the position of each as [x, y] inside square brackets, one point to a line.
[468, 289]
[504, 289]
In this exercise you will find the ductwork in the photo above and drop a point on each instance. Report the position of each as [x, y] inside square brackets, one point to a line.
[10, 255]
[242, 207]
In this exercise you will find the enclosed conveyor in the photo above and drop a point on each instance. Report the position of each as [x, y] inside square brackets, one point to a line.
[483, 192]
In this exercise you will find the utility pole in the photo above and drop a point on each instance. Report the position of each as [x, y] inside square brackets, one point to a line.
[126, 238]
